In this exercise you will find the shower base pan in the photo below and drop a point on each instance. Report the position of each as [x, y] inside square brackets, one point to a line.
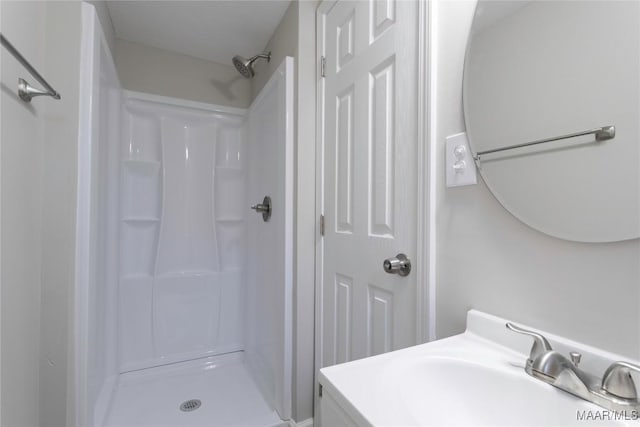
[215, 391]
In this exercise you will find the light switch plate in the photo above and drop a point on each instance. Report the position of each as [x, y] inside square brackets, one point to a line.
[461, 169]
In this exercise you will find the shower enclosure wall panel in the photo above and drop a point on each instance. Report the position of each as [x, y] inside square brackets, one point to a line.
[182, 232]
[270, 261]
[96, 275]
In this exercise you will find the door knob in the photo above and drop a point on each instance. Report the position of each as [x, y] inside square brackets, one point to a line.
[399, 264]
[264, 208]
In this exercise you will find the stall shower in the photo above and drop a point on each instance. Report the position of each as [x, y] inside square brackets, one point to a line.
[185, 291]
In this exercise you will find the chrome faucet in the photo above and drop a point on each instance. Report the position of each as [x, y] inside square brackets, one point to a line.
[616, 391]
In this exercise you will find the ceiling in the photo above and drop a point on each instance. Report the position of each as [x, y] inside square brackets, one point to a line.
[211, 30]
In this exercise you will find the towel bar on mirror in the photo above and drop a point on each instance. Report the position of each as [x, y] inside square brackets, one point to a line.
[602, 134]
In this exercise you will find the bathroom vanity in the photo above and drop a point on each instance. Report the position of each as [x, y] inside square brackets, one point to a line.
[473, 379]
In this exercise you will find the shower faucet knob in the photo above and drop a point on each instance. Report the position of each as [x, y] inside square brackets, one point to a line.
[264, 208]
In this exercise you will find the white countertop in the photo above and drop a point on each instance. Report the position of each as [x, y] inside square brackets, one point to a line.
[475, 378]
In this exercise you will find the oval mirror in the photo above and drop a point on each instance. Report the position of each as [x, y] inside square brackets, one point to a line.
[538, 70]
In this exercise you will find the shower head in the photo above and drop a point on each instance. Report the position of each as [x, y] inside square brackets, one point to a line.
[244, 66]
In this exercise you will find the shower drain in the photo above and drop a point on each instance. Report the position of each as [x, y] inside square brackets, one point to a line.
[190, 405]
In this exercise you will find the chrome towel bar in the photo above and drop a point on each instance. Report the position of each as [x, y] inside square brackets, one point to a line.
[26, 91]
[602, 134]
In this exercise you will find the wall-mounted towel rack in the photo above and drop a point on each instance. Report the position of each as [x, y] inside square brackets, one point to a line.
[602, 134]
[26, 91]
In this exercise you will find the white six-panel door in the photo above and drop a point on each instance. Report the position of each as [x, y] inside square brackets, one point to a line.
[368, 136]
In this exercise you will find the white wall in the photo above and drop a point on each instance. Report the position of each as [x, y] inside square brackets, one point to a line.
[488, 260]
[161, 72]
[283, 42]
[22, 171]
[60, 144]
[39, 142]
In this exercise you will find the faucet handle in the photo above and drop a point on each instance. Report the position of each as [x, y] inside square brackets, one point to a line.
[540, 344]
[575, 358]
[617, 380]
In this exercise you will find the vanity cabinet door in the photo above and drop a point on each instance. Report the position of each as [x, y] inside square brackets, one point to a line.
[332, 415]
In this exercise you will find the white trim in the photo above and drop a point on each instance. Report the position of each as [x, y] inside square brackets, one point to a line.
[78, 361]
[423, 228]
[432, 162]
[321, 13]
[290, 112]
[158, 99]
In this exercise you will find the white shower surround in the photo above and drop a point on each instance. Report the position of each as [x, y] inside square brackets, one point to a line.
[161, 262]
[182, 231]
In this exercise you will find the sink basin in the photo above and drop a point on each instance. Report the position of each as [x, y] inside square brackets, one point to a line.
[464, 392]
[473, 379]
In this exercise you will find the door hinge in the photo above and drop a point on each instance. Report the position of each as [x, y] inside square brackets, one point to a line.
[320, 390]
[322, 225]
[323, 66]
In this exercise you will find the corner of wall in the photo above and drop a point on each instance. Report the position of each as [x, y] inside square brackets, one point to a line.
[283, 42]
